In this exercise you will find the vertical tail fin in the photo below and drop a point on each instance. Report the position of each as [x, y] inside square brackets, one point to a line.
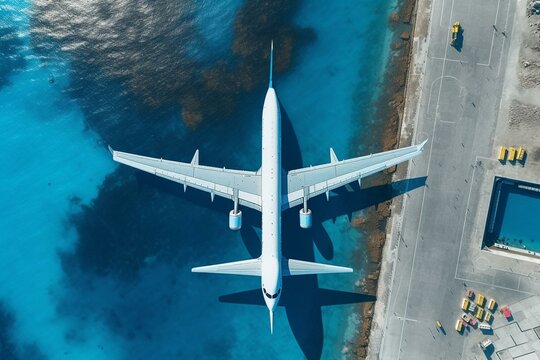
[271, 321]
[271, 62]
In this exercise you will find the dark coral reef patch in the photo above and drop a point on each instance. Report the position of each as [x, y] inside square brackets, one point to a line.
[146, 45]
[11, 60]
[9, 349]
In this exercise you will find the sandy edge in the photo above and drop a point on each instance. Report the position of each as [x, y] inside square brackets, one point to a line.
[406, 132]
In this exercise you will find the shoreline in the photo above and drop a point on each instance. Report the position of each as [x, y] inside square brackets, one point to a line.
[376, 222]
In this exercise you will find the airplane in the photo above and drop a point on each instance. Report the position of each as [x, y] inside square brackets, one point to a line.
[261, 190]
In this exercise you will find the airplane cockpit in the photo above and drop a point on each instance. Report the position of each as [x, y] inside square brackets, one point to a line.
[271, 296]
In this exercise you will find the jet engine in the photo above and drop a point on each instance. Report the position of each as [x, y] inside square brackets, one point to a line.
[305, 218]
[235, 219]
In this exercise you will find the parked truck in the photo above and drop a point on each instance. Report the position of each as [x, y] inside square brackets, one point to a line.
[455, 33]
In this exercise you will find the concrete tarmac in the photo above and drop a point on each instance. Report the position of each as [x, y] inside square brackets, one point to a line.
[434, 264]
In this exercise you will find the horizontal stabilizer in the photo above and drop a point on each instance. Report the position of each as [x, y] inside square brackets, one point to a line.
[300, 267]
[250, 267]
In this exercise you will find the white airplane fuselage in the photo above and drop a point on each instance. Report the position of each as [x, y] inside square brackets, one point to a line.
[262, 191]
[271, 201]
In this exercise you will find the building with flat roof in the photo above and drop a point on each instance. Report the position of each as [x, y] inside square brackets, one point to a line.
[519, 339]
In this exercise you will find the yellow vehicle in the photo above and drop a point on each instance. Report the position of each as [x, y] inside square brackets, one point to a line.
[459, 325]
[480, 300]
[520, 154]
[488, 317]
[465, 304]
[479, 313]
[502, 153]
[511, 153]
[455, 33]
[491, 304]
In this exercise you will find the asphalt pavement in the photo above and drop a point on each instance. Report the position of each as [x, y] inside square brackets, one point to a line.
[458, 110]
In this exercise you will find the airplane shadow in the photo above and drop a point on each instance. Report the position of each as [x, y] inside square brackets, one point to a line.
[302, 297]
[323, 297]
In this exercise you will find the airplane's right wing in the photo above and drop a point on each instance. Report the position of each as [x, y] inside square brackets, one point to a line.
[315, 180]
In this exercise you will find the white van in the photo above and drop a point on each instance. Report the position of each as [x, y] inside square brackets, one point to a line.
[484, 344]
[484, 326]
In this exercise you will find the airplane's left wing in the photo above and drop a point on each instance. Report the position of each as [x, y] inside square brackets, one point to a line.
[243, 267]
[227, 183]
[315, 180]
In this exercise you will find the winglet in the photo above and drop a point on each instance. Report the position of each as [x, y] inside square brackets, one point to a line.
[111, 150]
[421, 146]
[271, 62]
[271, 321]
[195, 160]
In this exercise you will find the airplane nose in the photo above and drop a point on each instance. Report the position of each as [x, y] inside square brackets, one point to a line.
[271, 322]
[271, 298]
[271, 304]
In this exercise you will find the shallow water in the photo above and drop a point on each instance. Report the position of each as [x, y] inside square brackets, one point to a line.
[96, 258]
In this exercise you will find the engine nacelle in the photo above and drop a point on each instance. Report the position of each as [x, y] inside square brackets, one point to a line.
[305, 219]
[235, 220]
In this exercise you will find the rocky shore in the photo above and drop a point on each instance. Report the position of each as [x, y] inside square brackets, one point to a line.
[389, 112]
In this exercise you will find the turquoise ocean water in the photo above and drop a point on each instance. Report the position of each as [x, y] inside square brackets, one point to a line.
[96, 258]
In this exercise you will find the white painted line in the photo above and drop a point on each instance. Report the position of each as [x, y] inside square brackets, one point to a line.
[452, 60]
[492, 285]
[397, 291]
[440, 88]
[442, 10]
[504, 38]
[410, 166]
[424, 193]
[405, 319]
[485, 158]
[465, 218]
[431, 93]
[492, 37]
[510, 272]
[416, 240]
[468, 201]
[507, 13]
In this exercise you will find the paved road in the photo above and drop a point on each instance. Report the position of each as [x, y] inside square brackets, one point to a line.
[458, 110]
